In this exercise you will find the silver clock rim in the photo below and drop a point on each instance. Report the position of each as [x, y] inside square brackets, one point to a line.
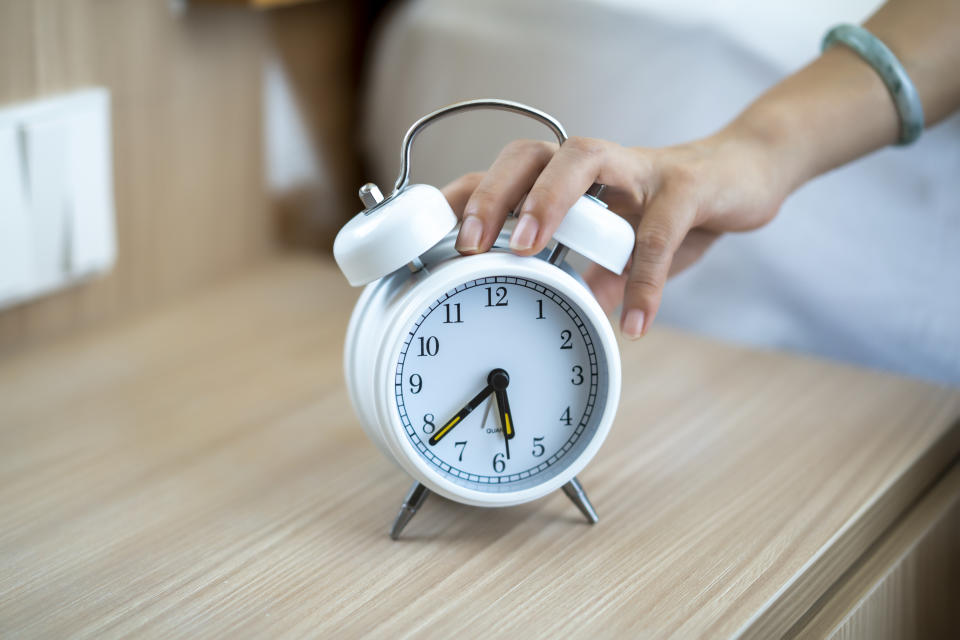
[436, 284]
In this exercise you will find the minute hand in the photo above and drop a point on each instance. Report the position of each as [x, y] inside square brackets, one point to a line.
[457, 419]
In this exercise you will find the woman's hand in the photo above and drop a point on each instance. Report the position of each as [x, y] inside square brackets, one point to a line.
[679, 199]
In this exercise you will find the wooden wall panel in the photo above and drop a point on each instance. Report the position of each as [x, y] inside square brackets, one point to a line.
[316, 46]
[188, 163]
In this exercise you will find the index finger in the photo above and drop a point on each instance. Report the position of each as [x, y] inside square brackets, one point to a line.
[570, 172]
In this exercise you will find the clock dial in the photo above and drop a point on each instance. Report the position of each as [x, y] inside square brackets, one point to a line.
[500, 384]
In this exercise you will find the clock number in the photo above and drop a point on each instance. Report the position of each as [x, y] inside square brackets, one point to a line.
[455, 315]
[565, 417]
[565, 335]
[416, 383]
[539, 309]
[428, 426]
[501, 297]
[538, 448]
[462, 445]
[498, 463]
[429, 346]
[577, 378]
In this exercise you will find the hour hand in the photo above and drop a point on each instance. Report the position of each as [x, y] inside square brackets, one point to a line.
[499, 380]
[506, 418]
[460, 415]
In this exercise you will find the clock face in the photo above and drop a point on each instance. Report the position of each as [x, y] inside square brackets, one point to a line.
[500, 384]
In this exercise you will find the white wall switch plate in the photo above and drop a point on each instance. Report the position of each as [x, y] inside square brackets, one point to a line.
[16, 233]
[93, 235]
[47, 144]
[57, 221]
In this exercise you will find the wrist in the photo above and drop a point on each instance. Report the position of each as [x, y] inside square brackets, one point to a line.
[827, 114]
[767, 131]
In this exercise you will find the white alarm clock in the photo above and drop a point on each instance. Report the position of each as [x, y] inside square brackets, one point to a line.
[491, 379]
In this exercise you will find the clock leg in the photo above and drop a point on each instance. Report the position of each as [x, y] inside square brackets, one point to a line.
[575, 492]
[418, 493]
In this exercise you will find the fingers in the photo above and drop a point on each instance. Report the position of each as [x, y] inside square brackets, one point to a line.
[607, 287]
[510, 176]
[553, 179]
[458, 192]
[694, 245]
[573, 168]
[665, 222]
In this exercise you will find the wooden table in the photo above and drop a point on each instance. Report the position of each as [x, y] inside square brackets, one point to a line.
[200, 473]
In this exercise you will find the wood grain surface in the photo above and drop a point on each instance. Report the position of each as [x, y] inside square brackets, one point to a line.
[200, 473]
[908, 586]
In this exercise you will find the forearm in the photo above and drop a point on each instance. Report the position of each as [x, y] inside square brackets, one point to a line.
[837, 108]
[925, 36]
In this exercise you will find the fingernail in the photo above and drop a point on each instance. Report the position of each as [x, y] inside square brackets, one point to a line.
[524, 233]
[632, 325]
[470, 231]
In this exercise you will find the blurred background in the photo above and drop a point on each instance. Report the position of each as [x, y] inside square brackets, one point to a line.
[230, 133]
[226, 131]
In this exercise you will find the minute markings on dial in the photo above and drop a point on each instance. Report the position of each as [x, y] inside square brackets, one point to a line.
[469, 472]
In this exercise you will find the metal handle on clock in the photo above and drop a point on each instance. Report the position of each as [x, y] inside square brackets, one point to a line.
[495, 104]
[582, 229]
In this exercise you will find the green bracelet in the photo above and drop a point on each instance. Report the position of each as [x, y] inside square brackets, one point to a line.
[879, 56]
